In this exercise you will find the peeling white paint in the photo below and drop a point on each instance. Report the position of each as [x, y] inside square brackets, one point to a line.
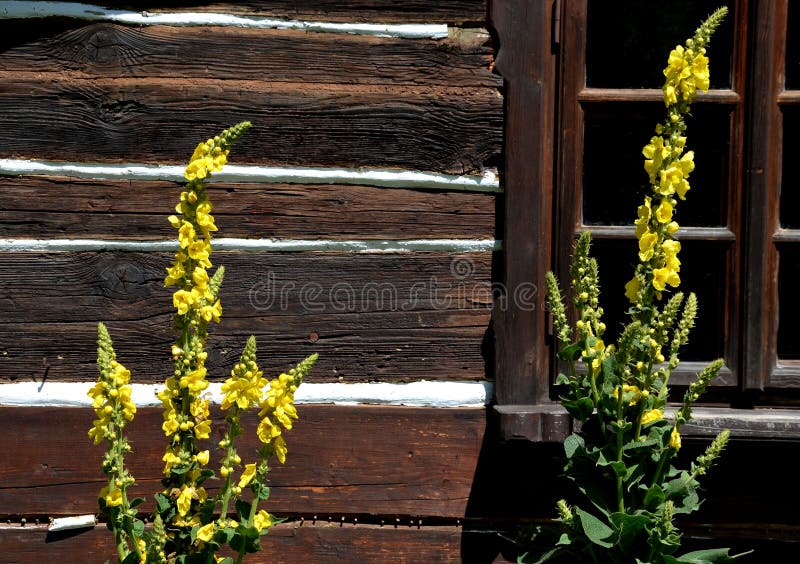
[9, 10]
[418, 394]
[488, 182]
[67, 523]
[256, 245]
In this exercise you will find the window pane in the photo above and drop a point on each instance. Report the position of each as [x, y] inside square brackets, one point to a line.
[788, 302]
[628, 41]
[790, 178]
[793, 47]
[702, 272]
[615, 182]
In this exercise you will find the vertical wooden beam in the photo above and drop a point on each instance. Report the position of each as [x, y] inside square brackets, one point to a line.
[526, 61]
[763, 194]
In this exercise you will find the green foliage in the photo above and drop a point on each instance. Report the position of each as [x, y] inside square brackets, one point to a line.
[623, 460]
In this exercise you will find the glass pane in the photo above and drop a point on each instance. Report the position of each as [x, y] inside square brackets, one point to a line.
[793, 47]
[790, 178]
[702, 270]
[614, 179]
[788, 302]
[628, 41]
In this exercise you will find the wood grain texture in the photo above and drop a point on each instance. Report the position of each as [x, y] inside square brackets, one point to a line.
[287, 543]
[40, 207]
[292, 542]
[527, 63]
[362, 460]
[129, 120]
[370, 316]
[407, 11]
[92, 50]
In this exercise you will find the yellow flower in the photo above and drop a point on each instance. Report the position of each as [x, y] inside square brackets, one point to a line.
[200, 251]
[262, 520]
[636, 394]
[644, 218]
[655, 152]
[203, 429]
[212, 312]
[203, 215]
[647, 245]
[174, 275]
[200, 277]
[113, 498]
[675, 439]
[632, 290]
[171, 460]
[186, 234]
[663, 276]
[185, 500]
[205, 533]
[267, 431]
[280, 450]
[248, 475]
[672, 227]
[202, 457]
[664, 212]
[652, 415]
[183, 301]
[195, 380]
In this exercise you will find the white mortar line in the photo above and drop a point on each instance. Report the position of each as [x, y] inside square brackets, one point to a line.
[255, 245]
[488, 182]
[9, 10]
[418, 394]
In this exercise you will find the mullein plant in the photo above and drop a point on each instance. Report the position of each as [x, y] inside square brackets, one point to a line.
[622, 458]
[189, 525]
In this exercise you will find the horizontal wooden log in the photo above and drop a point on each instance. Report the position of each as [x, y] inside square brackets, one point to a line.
[407, 11]
[289, 542]
[342, 460]
[41, 207]
[456, 130]
[370, 316]
[346, 542]
[115, 51]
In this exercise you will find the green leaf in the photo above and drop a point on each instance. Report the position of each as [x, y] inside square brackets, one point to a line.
[572, 444]
[263, 493]
[136, 502]
[654, 498]
[570, 352]
[629, 527]
[245, 540]
[242, 510]
[138, 527]
[562, 379]
[581, 408]
[595, 530]
[620, 469]
[712, 555]
[162, 503]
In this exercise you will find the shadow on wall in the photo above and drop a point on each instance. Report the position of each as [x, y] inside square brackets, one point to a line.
[751, 501]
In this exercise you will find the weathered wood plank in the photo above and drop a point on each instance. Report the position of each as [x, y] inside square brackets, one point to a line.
[407, 11]
[116, 51]
[292, 542]
[284, 543]
[39, 207]
[436, 129]
[342, 460]
[370, 316]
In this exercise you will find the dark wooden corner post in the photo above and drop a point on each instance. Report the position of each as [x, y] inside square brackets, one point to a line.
[526, 61]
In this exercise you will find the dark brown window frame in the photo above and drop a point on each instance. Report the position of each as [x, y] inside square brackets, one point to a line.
[540, 221]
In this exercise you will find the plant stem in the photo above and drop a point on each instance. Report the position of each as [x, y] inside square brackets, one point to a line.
[620, 431]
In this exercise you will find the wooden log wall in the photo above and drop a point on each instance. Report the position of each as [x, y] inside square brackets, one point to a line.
[358, 219]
